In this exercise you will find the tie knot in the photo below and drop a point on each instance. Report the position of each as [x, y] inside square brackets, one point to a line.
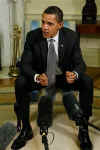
[51, 40]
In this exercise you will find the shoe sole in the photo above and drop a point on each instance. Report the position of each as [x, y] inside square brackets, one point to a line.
[26, 140]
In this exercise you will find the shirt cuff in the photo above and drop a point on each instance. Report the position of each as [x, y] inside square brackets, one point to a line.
[35, 80]
[76, 74]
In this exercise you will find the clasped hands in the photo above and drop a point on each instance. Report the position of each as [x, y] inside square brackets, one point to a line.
[43, 79]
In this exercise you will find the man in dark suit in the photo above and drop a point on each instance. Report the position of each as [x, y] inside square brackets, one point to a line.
[70, 72]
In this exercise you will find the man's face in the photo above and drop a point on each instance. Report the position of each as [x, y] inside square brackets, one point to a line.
[50, 25]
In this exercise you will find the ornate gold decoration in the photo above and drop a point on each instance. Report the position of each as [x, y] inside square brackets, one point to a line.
[13, 70]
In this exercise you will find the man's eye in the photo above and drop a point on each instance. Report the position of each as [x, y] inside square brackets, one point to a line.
[49, 23]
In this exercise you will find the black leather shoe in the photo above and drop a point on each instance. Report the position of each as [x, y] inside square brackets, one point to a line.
[85, 142]
[20, 141]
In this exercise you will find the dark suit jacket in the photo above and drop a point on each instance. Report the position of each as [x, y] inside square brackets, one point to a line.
[34, 57]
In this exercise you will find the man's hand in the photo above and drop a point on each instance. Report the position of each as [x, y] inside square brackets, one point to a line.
[70, 77]
[43, 79]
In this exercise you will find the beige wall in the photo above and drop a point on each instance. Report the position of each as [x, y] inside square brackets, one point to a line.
[68, 6]
[91, 50]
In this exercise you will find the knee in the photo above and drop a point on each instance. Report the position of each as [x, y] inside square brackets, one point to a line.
[87, 81]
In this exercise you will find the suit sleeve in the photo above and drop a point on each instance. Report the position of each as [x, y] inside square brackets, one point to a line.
[78, 62]
[26, 59]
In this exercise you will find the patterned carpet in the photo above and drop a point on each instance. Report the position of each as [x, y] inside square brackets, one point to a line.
[65, 133]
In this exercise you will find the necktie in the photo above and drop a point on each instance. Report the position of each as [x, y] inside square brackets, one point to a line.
[51, 63]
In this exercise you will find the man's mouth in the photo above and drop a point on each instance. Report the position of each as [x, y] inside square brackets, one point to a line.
[45, 33]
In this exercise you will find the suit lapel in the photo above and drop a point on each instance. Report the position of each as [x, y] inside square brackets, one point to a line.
[61, 46]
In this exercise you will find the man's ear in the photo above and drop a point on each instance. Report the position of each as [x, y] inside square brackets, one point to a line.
[61, 24]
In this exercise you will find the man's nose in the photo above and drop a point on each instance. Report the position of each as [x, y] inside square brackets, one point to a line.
[45, 26]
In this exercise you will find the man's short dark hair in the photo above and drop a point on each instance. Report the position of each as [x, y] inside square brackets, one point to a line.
[55, 10]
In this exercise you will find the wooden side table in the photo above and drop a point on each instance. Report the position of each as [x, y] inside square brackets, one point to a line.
[90, 29]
